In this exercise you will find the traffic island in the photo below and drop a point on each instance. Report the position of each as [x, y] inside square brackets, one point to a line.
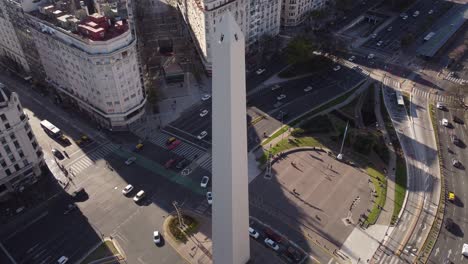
[189, 227]
[104, 252]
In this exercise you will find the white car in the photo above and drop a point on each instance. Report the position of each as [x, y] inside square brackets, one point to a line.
[308, 89]
[416, 13]
[373, 36]
[204, 181]
[389, 29]
[253, 233]
[337, 68]
[156, 237]
[430, 12]
[209, 197]
[270, 243]
[139, 196]
[465, 250]
[281, 97]
[352, 58]
[62, 260]
[380, 43]
[130, 160]
[440, 105]
[205, 97]
[404, 16]
[445, 122]
[203, 113]
[202, 135]
[275, 87]
[456, 163]
[127, 189]
[371, 56]
[260, 71]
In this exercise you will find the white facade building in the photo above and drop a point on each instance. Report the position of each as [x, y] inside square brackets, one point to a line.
[20, 155]
[91, 61]
[10, 48]
[294, 12]
[264, 19]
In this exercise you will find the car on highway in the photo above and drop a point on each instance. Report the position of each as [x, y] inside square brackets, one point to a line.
[62, 260]
[379, 43]
[203, 113]
[209, 197]
[281, 97]
[138, 147]
[352, 58]
[371, 56]
[170, 163]
[440, 105]
[174, 144]
[202, 135]
[275, 87]
[139, 196]
[130, 160]
[271, 244]
[204, 181]
[272, 235]
[308, 89]
[445, 122]
[455, 140]
[260, 71]
[156, 237]
[449, 224]
[456, 163]
[337, 68]
[58, 154]
[293, 253]
[253, 233]
[389, 29]
[458, 120]
[205, 97]
[170, 140]
[451, 196]
[182, 163]
[373, 36]
[465, 250]
[127, 189]
[430, 12]
[416, 13]
[404, 16]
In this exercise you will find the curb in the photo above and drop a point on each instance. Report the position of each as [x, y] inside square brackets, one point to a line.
[169, 238]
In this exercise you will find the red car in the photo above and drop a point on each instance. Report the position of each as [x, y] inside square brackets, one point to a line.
[170, 163]
[174, 144]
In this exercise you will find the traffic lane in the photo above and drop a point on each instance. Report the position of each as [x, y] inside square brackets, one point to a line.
[188, 114]
[272, 67]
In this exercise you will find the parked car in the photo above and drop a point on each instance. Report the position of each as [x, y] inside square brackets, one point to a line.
[127, 189]
[308, 89]
[455, 140]
[139, 196]
[380, 43]
[253, 233]
[416, 13]
[130, 160]
[202, 135]
[293, 254]
[156, 237]
[430, 12]
[281, 97]
[78, 192]
[271, 244]
[260, 71]
[204, 181]
[205, 97]
[373, 36]
[203, 113]
[58, 154]
[174, 144]
[209, 197]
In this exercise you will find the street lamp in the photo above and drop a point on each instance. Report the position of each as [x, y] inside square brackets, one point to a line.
[340, 155]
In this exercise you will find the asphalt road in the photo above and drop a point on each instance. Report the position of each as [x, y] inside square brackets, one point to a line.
[451, 240]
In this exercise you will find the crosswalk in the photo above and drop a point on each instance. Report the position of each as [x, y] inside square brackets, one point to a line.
[90, 158]
[455, 80]
[207, 163]
[388, 259]
[203, 208]
[184, 149]
[434, 97]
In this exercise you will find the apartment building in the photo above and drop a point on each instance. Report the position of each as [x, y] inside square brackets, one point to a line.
[264, 19]
[21, 157]
[294, 12]
[89, 56]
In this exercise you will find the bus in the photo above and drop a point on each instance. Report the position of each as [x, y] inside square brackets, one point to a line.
[429, 36]
[399, 97]
[50, 129]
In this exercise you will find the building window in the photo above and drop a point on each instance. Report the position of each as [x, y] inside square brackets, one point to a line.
[3, 117]
[3, 163]
[39, 153]
[20, 153]
[12, 136]
[30, 135]
[7, 149]
[34, 144]
[2, 140]
[8, 172]
[7, 126]
[25, 162]
[17, 145]
[17, 167]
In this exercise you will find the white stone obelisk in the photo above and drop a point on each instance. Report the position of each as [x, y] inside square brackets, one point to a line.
[230, 178]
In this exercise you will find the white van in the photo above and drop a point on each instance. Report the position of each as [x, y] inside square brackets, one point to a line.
[62, 260]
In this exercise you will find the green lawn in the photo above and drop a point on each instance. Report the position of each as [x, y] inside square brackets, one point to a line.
[380, 186]
[400, 187]
[286, 143]
[106, 249]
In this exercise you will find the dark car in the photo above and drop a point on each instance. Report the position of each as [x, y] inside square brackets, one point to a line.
[449, 224]
[58, 154]
[181, 164]
[169, 163]
[272, 235]
[293, 254]
[458, 120]
[455, 140]
[282, 115]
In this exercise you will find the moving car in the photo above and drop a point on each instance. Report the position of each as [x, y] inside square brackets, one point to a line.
[202, 135]
[445, 122]
[456, 163]
[205, 97]
[389, 29]
[371, 56]
[182, 163]
[449, 224]
[253, 233]
[440, 105]
[337, 68]
[373, 36]
[465, 250]
[58, 154]
[174, 144]
[156, 237]
[169, 163]
[260, 71]
[138, 147]
[130, 160]
[308, 89]
[204, 181]
[380, 43]
[271, 244]
[281, 97]
[275, 87]
[430, 12]
[127, 189]
[352, 58]
[170, 140]
[203, 113]
[209, 197]
[416, 13]
[139, 196]
[62, 260]
[455, 140]
[451, 196]
[458, 120]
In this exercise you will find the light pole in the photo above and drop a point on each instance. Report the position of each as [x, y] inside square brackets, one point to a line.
[340, 155]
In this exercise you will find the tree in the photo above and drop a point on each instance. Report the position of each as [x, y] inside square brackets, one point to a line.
[344, 4]
[299, 50]
[407, 39]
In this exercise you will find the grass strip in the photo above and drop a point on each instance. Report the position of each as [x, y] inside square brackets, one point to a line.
[380, 187]
[287, 143]
[400, 188]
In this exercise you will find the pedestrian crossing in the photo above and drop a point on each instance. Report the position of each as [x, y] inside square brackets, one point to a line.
[203, 208]
[90, 158]
[184, 149]
[388, 259]
[434, 97]
[206, 164]
[455, 80]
